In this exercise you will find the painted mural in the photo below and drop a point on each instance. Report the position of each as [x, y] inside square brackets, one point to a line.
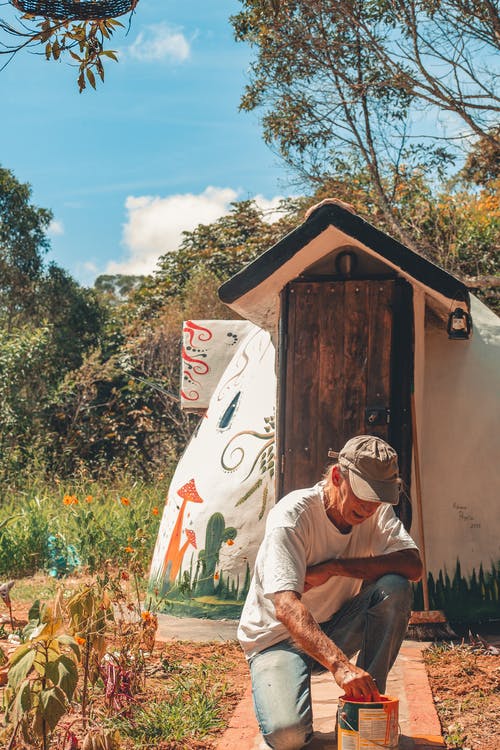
[222, 488]
[207, 348]
[467, 600]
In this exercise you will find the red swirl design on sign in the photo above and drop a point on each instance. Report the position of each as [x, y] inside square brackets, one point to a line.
[193, 330]
[199, 367]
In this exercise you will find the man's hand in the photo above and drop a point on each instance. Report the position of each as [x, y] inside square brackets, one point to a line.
[308, 635]
[316, 575]
[355, 682]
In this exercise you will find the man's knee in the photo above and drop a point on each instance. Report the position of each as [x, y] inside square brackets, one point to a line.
[288, 738]
[394, 590]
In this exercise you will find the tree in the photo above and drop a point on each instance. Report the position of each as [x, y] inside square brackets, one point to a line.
[115, 288]
[48, 324]
[340, 82]
[23, 361]
[482, 165]
[220, 249]
[75, 315]
[23, 245]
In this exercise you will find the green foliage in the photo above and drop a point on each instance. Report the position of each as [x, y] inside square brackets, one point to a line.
[90, 626]
[23, 359]
[47, 324]
[75, 316]
[192, 711]
[23, 244]
[82, 42]
[342, 84]
[482, 165]
[42, 678]
[101, 520]
[116, 288]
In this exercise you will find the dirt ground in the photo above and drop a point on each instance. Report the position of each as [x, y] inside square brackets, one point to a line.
[464, 679]
[465, 684]
[225, 660]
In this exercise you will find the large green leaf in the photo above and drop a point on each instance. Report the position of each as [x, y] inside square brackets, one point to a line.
[21, 663]
[64, 674]
[68, 640]
[22, 702]
[52, 705]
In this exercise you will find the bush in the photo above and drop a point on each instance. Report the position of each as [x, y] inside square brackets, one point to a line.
[101, 520]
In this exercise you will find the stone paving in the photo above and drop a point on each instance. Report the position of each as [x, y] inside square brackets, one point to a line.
[419, 724]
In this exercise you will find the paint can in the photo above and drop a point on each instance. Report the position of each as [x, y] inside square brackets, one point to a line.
[368, 726]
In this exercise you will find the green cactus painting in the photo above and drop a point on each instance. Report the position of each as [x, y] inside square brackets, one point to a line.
[216, 534]
[465, 601]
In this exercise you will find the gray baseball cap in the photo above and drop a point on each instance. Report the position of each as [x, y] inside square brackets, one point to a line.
[372, 467]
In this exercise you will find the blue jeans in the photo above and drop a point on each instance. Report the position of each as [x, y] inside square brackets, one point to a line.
[373, 623]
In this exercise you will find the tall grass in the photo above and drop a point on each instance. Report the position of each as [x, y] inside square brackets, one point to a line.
[101, 519]
[194, 709]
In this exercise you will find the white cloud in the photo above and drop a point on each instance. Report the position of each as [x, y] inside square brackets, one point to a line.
[155, 225]
[270, 207]
[158, 43]
[86, 272]
[55, 228]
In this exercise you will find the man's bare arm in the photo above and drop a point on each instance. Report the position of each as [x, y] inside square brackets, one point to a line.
[406, 563]
[309, 637]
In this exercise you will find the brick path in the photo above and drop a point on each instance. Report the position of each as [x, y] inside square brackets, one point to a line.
[419, 724]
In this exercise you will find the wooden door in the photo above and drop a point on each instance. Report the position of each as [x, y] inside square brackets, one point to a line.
[345, 361]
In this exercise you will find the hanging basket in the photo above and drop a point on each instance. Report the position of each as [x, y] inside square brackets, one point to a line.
[75, 10]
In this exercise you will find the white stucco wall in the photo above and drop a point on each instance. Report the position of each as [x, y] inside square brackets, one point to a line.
[460, 445]
[230, 467]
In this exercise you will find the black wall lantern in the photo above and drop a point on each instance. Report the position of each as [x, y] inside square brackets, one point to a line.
[459, 324]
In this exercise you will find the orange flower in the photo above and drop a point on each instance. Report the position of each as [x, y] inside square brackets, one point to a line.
[89, 498]
[230, 542]
[216, 577]
[129, 550]
[155, 511]
[125, 501]
[149, 617]
[79, 640]
[70, 500]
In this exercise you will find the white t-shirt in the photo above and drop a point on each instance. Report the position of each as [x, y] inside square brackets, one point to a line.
[300, 534]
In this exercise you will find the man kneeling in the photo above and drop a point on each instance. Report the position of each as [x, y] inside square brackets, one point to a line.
[307, 608]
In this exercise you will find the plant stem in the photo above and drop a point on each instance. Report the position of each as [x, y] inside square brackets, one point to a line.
[85, 681]
[136, 582]
[10, 746]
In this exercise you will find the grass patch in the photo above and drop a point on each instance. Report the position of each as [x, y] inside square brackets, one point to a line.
[38, 586]
[97, 520]
[193, 707]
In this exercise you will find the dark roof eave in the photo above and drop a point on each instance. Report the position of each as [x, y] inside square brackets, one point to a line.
[354, 226]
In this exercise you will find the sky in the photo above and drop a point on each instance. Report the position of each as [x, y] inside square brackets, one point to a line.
[157, 149]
